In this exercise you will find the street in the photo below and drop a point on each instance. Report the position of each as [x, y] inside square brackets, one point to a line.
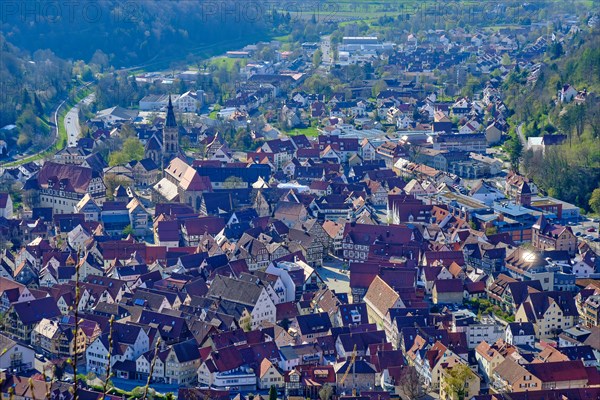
[326, 50]
[72, 121]
[335, 278]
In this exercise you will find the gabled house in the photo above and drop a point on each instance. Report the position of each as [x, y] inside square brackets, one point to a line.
[548, 236]
[6, 206]
[313, 326]
[520, 334]
[182, 362]
[550, 312]
[269, 375]
[128, 343]
[253, 296]
[379, 299]
[15, 356]
[21, 318]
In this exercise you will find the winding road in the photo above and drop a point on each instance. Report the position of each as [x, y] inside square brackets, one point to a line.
[25, 158]
[71, 121]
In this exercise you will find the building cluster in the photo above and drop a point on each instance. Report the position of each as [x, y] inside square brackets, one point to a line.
[306, 263]
[389, 254]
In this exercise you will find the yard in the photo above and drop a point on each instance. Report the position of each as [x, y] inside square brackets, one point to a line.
[229, 63]
[311, 131]
[483, 306]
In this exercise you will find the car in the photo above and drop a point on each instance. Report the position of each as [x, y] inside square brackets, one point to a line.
[596, 240]
[577, 233]
[592, 229]
[596, 220]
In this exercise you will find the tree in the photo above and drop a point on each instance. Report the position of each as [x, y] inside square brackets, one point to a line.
[411, 383]
[456, 379]
[273, 393]
[25, 99]
[128, 230]
[326, 392]
[111, 181]
[37, 106]
[378, 87]
[232, 182]
[132, 149]
[127, 131]
[514, 147]
[595, 201]
[491, 230]
[317, 58]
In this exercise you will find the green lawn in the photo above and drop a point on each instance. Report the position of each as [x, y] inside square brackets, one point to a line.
[284, 38]
[311, 131]
[228, 62]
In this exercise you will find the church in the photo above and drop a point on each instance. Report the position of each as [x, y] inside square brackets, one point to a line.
[162, 150]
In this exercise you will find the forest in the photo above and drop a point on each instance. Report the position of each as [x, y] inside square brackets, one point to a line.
[91, 38]
[29, 88]
[570, 171]
[133, 32]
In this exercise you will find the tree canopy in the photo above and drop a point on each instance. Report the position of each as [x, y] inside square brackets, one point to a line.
[132, 149]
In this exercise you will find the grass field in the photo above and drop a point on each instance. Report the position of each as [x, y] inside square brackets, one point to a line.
[229, 63]
[311, 131]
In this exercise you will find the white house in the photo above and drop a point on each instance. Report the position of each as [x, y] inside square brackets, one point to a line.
[6, 206]
[129, 342]
[15, 356]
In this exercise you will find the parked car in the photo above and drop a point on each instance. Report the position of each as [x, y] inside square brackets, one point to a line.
[592, 229]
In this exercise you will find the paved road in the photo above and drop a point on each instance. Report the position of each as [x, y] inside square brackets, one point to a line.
[72, 121]
[24, 158]
[327, 50]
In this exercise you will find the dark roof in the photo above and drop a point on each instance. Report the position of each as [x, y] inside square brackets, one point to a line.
[359, 367]
[550, 394]
[314, 323]
[521, 328]
[75, 178]
[31, 312]
[448, 285]
[170, 121]
[560, 371]
[235, 290]
[186, 351]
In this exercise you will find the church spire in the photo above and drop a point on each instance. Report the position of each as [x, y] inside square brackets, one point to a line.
[170, 115]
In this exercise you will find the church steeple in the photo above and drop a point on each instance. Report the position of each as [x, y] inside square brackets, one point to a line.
[171, 122]
[170, 135]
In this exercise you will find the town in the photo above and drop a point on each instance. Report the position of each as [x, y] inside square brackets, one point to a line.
[339, 226]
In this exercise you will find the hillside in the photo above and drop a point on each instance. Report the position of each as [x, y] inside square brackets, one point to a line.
[570, 171]
[129, 33]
